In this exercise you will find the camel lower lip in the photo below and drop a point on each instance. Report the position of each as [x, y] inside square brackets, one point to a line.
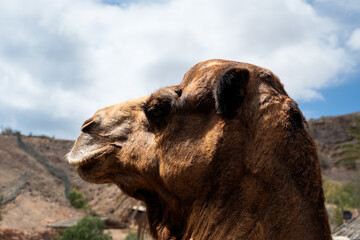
[86, 160]
[89, 158]
[81, 161]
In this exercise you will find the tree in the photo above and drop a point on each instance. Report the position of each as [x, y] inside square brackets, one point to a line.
[88, 228]
[349, 153]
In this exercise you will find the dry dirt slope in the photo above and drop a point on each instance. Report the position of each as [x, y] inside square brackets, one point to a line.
[41, 192]
[39, 187]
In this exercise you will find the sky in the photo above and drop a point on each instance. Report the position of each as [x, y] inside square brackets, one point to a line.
[60, 61]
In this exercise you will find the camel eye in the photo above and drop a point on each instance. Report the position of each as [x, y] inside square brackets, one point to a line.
[155, 115]
[156, 112]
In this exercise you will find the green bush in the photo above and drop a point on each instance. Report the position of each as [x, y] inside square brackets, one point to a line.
[76, 199]
[339, 194]
[88, 228]
[344, 196]
[338, 216]
[131, 236]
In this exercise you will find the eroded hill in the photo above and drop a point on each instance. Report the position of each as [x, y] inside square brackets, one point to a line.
[34, 179]
[330, 132]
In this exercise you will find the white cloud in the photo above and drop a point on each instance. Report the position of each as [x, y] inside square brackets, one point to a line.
[70, 58]
[22, 89]
[354, 40]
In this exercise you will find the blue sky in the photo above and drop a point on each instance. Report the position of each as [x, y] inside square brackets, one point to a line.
[341, 98]
[337, 100]
[61, 61]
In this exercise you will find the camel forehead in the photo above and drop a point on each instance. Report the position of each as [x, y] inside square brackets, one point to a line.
[204, 74]
[211, 64]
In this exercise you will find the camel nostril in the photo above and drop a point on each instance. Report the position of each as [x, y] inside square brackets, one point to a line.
[89, 126]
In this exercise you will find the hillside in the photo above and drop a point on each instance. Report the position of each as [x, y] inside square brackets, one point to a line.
[34, 177]
[39, 188]
[329, 132]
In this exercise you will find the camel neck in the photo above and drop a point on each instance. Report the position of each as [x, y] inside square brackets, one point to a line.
[281, 208]
[259, 212]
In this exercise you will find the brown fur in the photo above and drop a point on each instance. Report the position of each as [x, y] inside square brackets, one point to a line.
[208, 166]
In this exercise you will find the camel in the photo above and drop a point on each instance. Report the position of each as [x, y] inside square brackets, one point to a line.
[226, 154]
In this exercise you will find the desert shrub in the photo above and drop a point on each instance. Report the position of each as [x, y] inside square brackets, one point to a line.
[76, 199]
[131, 236]
[88, 228]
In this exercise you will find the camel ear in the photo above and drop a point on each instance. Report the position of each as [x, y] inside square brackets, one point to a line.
[230, 91]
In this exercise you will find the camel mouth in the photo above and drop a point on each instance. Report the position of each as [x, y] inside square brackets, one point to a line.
[84, 159]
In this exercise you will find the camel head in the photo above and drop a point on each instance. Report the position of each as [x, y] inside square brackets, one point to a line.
[168, 139]
[214, 137]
